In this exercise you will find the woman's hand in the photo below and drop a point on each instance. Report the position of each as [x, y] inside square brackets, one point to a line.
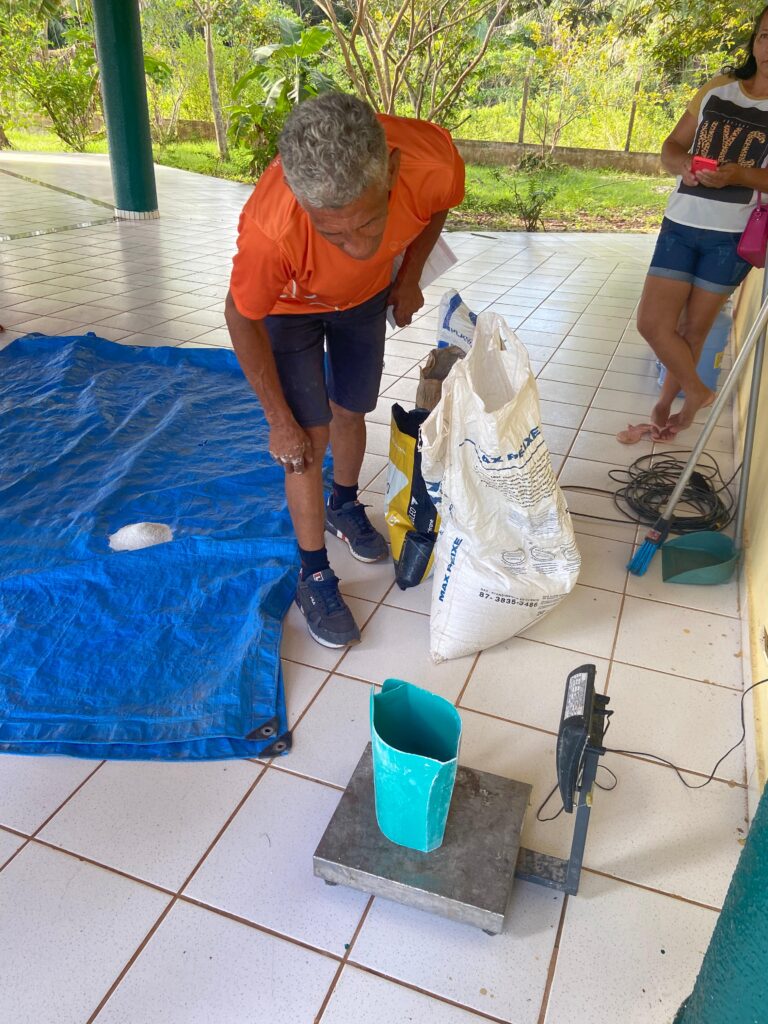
[689, 178]
[726, 174]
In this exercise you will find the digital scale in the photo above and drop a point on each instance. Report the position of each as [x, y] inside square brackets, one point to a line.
[469, 878]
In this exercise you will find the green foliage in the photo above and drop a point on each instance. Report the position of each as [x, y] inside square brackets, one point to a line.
[287, 71]
[284, 73]
[529, 203]
[537, 163]
[586, 200]
[157, 70]
[680, 36]
[60, 83]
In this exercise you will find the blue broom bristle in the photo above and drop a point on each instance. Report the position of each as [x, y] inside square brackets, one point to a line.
[638, 564]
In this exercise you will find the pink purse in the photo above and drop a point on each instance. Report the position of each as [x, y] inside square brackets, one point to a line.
[754, 240]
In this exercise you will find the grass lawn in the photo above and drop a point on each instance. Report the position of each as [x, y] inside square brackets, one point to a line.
[586, 200]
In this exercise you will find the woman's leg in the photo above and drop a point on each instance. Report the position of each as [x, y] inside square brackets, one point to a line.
[661, 308]
[697, 320]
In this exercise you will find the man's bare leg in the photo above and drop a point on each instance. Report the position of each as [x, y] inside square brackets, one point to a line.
[347, 433]
[304, 492]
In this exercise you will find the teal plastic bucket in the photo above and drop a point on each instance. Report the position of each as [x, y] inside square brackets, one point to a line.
[415, 737]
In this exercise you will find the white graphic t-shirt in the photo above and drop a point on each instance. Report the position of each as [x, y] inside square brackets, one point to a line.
[732, 128]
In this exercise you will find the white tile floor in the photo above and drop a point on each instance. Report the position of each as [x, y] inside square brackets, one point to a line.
[141, 893]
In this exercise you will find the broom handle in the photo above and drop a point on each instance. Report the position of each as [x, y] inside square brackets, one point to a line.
[756, 331]
[749, 432]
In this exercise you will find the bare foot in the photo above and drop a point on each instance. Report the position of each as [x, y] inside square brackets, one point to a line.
[694, 400]
[659, 418]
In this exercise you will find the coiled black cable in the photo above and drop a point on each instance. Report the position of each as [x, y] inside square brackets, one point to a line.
[647, 484]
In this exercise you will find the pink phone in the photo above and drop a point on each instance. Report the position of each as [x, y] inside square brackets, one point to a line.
[703, 163]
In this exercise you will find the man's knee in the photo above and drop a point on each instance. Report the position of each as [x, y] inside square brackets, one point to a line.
[346, 417]
[319, 436]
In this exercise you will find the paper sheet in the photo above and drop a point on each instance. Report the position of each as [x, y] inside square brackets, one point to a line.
[441, 259]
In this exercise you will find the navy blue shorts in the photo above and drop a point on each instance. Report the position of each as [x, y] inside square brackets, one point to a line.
[705, 259]
[350, 376]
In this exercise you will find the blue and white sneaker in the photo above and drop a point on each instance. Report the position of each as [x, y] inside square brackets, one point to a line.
[329, 620]
[353, 526]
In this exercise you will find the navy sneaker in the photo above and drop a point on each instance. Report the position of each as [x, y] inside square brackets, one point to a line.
[353, 526]
[329, 621]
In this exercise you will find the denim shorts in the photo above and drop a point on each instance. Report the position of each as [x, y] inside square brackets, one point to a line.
[334, 354]
[706, 259]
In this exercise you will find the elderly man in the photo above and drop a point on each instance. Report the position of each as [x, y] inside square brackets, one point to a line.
[306, 309]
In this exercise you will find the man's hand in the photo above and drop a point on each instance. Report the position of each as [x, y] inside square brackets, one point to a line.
[290, 446]
[406, 299]
[726, 174]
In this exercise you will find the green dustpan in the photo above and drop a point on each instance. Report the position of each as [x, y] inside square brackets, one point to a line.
[703, 558]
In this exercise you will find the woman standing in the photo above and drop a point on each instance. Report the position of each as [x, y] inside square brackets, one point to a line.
[695, 266]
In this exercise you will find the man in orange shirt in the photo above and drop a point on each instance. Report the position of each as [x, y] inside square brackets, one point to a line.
[306, 309]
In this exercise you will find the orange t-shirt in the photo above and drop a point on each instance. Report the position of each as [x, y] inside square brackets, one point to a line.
[283, 266]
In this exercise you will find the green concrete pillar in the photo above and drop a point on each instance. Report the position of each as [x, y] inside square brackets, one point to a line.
[732, 986]
[124, 92]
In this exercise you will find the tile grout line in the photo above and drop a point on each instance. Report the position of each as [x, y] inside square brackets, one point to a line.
[57, 188]
[436, 996]
[175, 896]
[286, 770]
[649, 888]
[553, 962]
[136, 954]
[255, 926]
[33, 835]
[467, 680]
[344, 961]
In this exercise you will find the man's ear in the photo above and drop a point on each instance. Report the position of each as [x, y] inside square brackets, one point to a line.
[394, 168]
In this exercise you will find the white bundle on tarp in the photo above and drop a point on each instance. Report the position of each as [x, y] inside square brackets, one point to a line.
[506, 553]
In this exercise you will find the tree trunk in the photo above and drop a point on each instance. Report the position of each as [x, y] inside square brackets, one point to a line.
[218, 116]
[5, 142]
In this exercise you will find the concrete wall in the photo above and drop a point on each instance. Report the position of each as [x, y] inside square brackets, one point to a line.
[194, 130]
[502, 154]
[508, 154]
[755, 566]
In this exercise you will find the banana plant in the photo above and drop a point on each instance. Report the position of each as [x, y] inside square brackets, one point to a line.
[286, 71]
[283, 75]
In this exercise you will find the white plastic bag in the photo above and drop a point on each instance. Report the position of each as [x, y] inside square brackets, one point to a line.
[455, 322]
[506, 553]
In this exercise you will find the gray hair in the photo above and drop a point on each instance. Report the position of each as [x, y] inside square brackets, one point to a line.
[333, 148]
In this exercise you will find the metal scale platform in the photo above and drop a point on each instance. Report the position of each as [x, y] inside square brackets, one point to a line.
[470, 877]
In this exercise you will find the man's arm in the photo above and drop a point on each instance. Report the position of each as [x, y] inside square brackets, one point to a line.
[288, 443]
[405, 296]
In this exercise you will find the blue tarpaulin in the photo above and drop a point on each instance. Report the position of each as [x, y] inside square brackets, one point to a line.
[168, 652]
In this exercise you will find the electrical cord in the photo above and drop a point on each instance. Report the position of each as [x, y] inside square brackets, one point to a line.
[661, 760]
[710, 777]
[554, 788]
[647, 484]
